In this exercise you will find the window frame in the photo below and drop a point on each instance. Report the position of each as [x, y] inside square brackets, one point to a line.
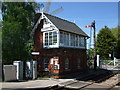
[67, 63]
[78, 63]
[71, 40]
[45, 63]
[50, 39]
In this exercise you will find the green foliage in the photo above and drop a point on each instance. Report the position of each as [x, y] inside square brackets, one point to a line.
[116, 33]
[105, 43]
[43, 77]
[90, 53]
[17, 25]
[29, 46]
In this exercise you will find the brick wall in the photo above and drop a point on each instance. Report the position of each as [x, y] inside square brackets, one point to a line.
[61, 55]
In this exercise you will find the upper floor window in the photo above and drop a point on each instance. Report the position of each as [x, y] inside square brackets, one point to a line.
[50, 38]
[71, 40]
[54, 38]
[46, 38]
[61, 38]
[64, 39]
[82, 41]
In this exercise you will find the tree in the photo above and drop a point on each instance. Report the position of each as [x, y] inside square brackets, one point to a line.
[17, 25]
[105, 43]
[90, 53]
[116, 34]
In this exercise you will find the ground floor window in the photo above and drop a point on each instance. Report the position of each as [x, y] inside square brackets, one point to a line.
[67, 64]
[46, 62]
[78, 64]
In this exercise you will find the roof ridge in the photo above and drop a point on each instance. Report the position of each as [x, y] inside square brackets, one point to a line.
[60, 18]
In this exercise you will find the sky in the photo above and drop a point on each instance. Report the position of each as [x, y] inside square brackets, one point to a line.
[84, 13]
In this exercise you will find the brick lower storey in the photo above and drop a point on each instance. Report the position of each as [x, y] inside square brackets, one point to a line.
[61, 62]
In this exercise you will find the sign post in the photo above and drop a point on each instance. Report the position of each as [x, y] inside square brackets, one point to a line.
[94, 36]
[95, 57]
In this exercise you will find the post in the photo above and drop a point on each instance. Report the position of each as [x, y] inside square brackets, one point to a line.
[90, 37]
[95, 58]
[114, 61]
[98, 60]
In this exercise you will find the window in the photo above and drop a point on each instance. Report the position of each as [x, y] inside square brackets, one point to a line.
[46, 38]
[81, 41]
[50, 38]
[46, 64]
[76, 40]
[64, 39]
[67, 39]
[61, 38]
[71, 40]
[67, 64]
[54, 38]
[78, 64]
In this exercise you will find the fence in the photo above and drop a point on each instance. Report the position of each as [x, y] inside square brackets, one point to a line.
[15, 71]
[105, 63]
[10, 72]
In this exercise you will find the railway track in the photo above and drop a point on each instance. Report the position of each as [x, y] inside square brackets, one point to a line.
[104, 80]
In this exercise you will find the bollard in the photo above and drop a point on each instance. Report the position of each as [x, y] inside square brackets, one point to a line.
[98, 60]
[114, 61]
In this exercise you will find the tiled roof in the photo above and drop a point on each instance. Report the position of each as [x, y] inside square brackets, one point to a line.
[65, 25]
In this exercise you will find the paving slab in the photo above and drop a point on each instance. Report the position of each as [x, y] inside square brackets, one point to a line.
[43, 83]
[95, 87]
[67, 83]
[78, 85]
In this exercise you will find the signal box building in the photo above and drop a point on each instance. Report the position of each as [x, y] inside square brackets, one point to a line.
[59, 46]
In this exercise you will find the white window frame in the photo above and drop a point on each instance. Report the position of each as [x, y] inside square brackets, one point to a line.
[74, 40]
[51, 46]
